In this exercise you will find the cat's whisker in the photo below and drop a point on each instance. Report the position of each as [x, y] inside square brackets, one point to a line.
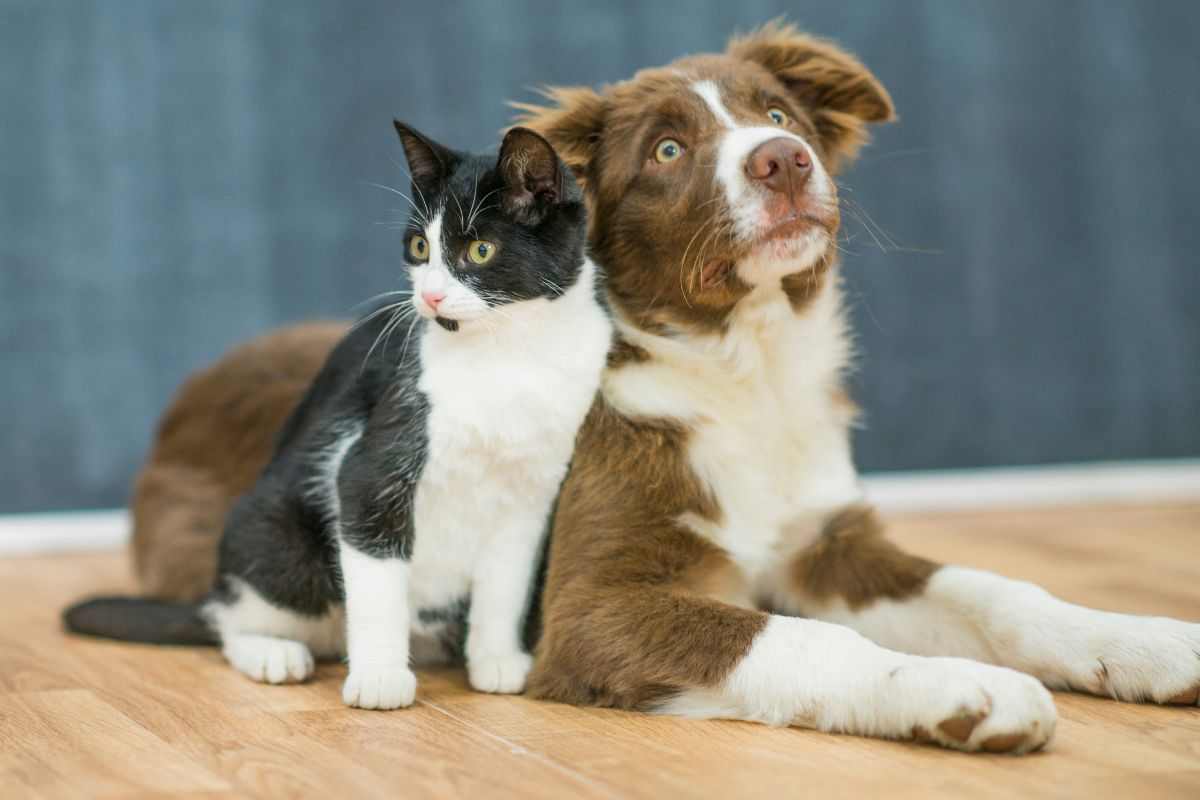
[480, 208]
[408, 336]
[462, 219]
[423, 218]
[395, 320]
[395, 307]
[381, 295]
[424, 204]
[387, 340]
[474, 187]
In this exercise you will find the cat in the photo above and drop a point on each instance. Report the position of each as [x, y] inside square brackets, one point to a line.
[402, 518]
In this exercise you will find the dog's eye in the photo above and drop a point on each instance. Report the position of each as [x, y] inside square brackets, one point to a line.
[777, 116]
[667, 150]
[418, 248]
[481, 252]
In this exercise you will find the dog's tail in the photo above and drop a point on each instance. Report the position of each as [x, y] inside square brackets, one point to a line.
[140, 619]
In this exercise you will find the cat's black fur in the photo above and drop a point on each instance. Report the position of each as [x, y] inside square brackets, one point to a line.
[280, 537]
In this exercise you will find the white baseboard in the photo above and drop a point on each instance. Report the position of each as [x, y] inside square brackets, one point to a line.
[1036, 487]
[60, 532]
[895, 492]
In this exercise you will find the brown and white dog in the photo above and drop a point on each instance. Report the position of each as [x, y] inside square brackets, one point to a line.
[712, 554]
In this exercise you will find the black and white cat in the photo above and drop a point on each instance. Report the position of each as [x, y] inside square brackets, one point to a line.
[410, 491]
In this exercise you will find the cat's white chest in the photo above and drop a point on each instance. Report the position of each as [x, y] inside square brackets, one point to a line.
[504, 410]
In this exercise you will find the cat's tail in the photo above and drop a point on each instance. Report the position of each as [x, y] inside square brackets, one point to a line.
[140, 619]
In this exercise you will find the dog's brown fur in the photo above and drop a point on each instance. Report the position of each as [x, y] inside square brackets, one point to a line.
[854, 562]
[211, 444]
[623, 572]
[637, 606]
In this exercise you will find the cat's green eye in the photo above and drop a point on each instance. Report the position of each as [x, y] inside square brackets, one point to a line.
[481, 252]
[667, 150]
[418, 248]
[777, 116]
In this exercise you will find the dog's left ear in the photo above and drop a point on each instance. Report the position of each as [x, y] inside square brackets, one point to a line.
[841, 94]
[533, 180]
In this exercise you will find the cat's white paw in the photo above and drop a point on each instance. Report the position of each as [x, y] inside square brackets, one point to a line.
[379, 686]
[1137, 659]
[269, 659]
[967, 705]
[503, 673]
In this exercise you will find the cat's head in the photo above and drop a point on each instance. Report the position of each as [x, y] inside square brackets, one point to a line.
[488, 231]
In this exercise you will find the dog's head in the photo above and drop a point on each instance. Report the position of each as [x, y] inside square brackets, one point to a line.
[713, 175]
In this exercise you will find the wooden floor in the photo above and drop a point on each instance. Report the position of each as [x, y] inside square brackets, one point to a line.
[93, 719]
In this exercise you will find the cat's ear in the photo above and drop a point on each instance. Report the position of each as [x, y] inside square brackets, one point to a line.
[841, 94]
[532, 175]
[429, 163]
[572, 122]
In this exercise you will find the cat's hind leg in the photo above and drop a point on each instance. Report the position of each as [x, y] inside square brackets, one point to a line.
[270, 643]
[269, 659]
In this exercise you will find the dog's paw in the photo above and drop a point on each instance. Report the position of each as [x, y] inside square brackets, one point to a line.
[379, 686]
[503, 673]
[970, 706]
[1137, 659]
[269, 659]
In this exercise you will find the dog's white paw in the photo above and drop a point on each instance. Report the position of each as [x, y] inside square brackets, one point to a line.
[971, 706]
[1137, 659]
[269, 659]
[503, 673]
[379, 686]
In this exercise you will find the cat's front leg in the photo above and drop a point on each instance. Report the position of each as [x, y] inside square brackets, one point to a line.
[501, 587]
[377, 630]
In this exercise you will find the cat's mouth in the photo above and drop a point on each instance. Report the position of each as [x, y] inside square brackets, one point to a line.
[449, 324]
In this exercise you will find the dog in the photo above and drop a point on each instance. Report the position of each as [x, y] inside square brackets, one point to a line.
[712, 554]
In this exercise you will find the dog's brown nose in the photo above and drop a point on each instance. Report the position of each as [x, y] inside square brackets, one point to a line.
[781, 164]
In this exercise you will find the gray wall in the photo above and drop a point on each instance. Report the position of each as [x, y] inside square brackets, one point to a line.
[175, 177]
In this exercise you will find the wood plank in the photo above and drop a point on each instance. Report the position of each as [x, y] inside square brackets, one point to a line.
[83, 718]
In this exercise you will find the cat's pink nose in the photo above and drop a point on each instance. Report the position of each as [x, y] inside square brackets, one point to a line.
[433, 298]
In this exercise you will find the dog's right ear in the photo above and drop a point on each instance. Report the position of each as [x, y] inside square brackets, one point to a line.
[572, 123]
[429, 163]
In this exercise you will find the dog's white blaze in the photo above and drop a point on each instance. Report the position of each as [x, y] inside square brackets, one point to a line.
[711, 95]
[745, 200]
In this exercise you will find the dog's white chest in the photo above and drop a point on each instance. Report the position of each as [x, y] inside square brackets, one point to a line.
[765, 436]
[776, 470]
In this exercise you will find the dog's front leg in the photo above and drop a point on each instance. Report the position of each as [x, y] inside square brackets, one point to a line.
[855, 577]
